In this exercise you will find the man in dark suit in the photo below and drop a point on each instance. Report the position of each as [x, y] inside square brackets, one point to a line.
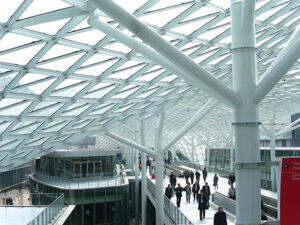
[172, 180]
[192, 176]
[206, 190]
[178, 192]
[202, 204]
[197, 174]
[204, 173]
[195, 189]
[220, 217]
[169, 192]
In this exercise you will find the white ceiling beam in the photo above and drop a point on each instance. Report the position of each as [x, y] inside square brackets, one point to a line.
[204, 110]
[193, 70]
[130, 143]
[283, 62]
[60, 14]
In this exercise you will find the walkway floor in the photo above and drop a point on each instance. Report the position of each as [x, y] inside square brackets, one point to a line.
[18, 215]
[190, 210]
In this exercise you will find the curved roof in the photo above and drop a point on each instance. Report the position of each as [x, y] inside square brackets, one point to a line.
[62, 78]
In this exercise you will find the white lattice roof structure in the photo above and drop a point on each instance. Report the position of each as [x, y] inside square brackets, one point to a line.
[63, 78]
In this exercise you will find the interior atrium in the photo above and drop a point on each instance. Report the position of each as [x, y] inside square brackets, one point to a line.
[206, 83]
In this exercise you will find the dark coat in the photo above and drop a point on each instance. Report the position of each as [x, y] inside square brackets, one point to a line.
[192, 174]
[172, 179]
[169, 192]
[197, 175]
[194, 189]
[216, 179]
[186, 174]
[206, 190]
[220, 218]
[231, 179]
[204, 173]
[203, 204]
[178, 191]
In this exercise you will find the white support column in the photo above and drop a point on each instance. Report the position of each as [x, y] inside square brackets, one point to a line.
[207, 165]
[159, 170]
[273, 174]
[144, 175]
[272, 150]
[232, 149]
[246, 117]
[231, 158]
[278, 183]
[137, 173]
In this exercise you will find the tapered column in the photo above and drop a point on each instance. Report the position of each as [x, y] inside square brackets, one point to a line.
[273, 174]
[137, 191]
[159, 190]
[144, 176]
[159, 170]
[207, 164]
[246, 125]
[231, 158]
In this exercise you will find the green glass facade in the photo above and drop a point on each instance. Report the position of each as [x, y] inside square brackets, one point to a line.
[78, 167]
[104, 204]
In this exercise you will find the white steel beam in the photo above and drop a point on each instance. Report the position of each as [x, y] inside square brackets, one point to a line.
[205, 109]
[131, 143]
[281, 133]
[193, 71]
[49, 17]
[283, 62]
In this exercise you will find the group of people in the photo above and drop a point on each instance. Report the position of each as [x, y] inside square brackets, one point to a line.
[7, 201]
[190, 174]
[202, 195]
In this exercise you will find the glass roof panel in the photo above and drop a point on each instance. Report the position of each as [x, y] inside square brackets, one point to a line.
[83, 81]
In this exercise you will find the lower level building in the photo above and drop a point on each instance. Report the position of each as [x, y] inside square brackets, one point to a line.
[100, 198]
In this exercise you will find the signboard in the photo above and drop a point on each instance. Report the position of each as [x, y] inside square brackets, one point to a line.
[289, 191]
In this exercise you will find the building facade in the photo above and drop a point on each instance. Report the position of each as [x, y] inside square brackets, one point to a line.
[90, 179]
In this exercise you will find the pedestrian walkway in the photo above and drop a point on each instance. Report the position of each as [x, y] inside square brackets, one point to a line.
[190, 210]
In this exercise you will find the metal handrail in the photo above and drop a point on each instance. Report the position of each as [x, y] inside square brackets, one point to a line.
[173, 212]
[49, 213]
[88, 182]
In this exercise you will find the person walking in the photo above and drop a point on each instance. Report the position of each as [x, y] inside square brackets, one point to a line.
[206, 190]
[188, 191]
[202, 204]
[192, 176]
[172, 180]
[231, 192]
[169, 192]
[148, 164]
[197, 176]
[231, 179]
[186, 175]
[204, 174]
[195, 189]
[220, 217]
[216, 179]
[178, 191]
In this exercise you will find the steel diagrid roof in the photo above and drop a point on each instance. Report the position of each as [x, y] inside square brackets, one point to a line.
[62, 79]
